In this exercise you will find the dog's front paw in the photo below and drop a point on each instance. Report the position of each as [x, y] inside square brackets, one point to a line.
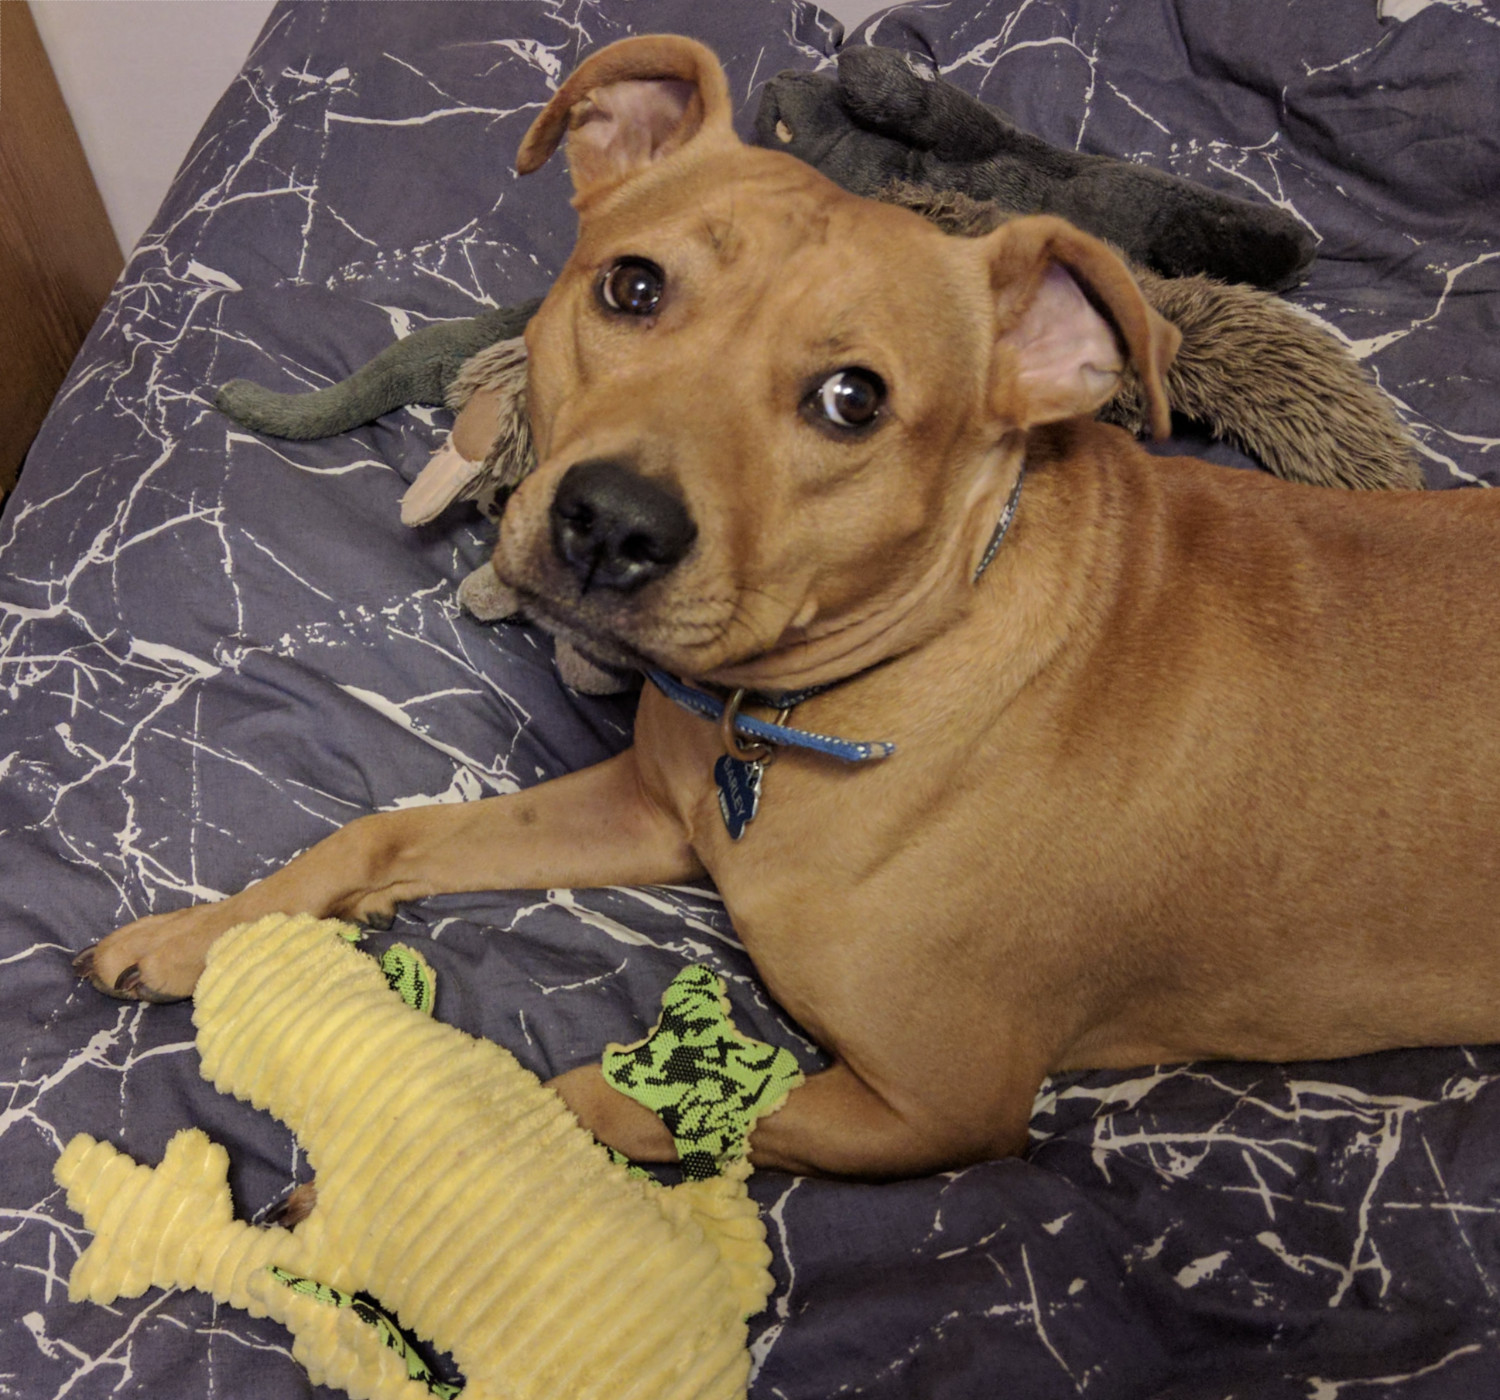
[617, 1121]
[376, 910]
[158, 958]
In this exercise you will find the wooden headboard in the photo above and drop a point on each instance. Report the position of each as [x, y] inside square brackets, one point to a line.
[58, 254]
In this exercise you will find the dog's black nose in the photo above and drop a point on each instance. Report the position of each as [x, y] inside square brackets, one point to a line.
[615, 529]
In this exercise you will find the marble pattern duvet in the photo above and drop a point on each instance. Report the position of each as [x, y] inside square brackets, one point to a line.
[215, 648]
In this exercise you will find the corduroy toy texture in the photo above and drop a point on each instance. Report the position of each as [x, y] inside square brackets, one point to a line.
[458, 1191]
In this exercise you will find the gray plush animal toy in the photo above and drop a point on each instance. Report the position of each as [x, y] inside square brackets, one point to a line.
[885, 120]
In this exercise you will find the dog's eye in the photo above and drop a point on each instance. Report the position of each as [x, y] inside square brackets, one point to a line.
[633, 287]
[851, 398]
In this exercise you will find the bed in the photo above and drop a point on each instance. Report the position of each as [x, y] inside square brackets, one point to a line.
[216, 647]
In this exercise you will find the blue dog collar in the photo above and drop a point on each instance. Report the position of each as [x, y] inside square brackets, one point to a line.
[701, 702]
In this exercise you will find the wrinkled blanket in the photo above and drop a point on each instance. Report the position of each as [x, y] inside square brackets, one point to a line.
[215, 648]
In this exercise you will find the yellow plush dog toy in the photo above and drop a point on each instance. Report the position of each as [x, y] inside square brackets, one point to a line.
[456, 1189]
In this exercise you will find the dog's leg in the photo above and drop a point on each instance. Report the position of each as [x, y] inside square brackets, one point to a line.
[831, 1125]
[594, 827]
[614, 1118]
[837, 1125]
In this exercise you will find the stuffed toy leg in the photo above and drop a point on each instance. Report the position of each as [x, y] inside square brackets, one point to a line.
[419, 369]
[881, 121]
[477, 368]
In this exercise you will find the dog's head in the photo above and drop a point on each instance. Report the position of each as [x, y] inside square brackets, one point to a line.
[775, 422]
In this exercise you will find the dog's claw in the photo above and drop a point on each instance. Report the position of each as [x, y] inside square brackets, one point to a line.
[128, 986]
[293, 1208]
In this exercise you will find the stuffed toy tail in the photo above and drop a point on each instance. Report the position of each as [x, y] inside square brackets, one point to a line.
[1264, 377]
[1253, 369]
[418, 369]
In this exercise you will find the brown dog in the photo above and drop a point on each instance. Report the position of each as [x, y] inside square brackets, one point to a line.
[1198, 765]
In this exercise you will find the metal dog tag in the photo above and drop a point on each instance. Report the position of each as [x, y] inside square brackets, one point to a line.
[739, 792]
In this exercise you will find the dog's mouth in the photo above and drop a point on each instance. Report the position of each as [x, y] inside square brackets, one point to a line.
[617, 565]
[689, 638]
[704, 621]
[699, 645]
[568, 623]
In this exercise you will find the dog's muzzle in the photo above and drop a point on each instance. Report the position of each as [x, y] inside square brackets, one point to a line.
[615, 529]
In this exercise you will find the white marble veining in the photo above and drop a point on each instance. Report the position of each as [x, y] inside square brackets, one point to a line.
[214, 648]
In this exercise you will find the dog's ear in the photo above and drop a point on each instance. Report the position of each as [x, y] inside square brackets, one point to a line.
[629, 105]
[1070, 313]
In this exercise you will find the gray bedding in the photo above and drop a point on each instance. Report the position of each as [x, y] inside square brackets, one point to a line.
[215, 648]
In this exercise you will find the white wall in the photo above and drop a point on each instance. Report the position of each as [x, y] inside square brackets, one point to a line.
[852, 12]
[140, 77]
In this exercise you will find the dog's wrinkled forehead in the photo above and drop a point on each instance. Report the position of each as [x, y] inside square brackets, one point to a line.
[646, 125]
[761, 223]
[735, 199]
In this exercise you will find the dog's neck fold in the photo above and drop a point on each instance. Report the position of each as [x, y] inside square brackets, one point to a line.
[813, 658]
